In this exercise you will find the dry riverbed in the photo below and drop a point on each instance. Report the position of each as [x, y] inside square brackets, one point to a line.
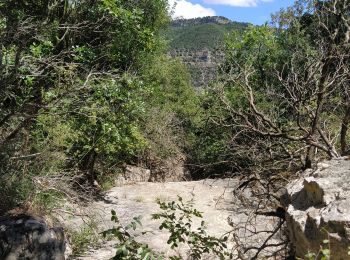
[212, 197]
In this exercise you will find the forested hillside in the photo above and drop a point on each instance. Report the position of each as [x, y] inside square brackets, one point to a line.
[201, 33]
[199, 43]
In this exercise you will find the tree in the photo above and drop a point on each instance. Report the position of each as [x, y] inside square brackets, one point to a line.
[73, 67]
[281, 102]
[280, 89]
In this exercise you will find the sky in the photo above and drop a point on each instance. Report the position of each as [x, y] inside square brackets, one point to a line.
[252, 11]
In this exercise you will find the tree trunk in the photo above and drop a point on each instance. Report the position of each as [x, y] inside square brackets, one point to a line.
[87, 165]
[310, 154]
[344, 130]
[325, 72]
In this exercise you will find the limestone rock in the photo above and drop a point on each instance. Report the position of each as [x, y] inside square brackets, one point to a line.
[24, 237]
[133, 174]
[318, 208]
[166, 171]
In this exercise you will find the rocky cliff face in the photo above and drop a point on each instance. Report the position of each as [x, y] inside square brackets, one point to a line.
[199, 42]
[202, 64]
[318, 209]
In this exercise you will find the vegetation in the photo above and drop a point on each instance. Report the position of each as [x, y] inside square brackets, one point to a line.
[82, 81]
[86, 87]
[83, 238]
[177, 218]
[201, 33]
[282, 100]
[323, 254]
[128, 247]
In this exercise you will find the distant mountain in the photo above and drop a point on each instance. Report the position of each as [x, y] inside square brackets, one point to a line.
[198, 42]
[199, 33]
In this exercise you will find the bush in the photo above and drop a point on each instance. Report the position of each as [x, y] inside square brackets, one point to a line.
[177, 218]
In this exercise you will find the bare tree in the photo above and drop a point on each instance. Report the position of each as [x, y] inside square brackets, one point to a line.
[288, 115]
[307, 97]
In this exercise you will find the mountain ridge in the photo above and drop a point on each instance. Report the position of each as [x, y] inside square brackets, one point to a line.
[199, 33]
[199, 43]
[201, 20]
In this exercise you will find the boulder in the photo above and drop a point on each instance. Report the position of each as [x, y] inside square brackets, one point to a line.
[172, 169]
[318, 208]
[163, 171]
[133, 174]
[25, 237]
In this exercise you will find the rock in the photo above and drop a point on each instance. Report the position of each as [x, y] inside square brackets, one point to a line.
[166, 171]
[318, 208]
[212, 197]
[222, 212]
[24, 237]
[133, 174]
[170, 170]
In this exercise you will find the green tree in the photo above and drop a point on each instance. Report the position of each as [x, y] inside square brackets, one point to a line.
[278, 87]
[77, 60]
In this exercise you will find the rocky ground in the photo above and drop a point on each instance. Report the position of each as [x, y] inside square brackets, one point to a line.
[215, 198]
[212, 197]
[316, 207]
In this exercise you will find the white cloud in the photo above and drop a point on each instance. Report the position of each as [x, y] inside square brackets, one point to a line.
[186, 9]
[241, 3]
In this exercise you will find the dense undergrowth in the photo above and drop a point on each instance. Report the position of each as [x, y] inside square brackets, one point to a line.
[86, 88]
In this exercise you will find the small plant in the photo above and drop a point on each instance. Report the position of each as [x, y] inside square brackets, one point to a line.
[177, 219]
[48, 199]
[106, 181]
[139, 199]
[128, 247]
[159, 199]
[83, 238]
[323, 254]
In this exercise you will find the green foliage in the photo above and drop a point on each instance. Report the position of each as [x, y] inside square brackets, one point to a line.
[83, 238]
[74, 95]
[172, 109]
[170, 87]
[200, 33]
[48, 199]
[272, 95]
[177, 218]
[105, 118]
[128, 247]
[323, 254]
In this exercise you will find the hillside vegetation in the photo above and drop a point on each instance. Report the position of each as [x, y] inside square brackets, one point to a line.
[201, 33]
[199, 44]
[81, 85]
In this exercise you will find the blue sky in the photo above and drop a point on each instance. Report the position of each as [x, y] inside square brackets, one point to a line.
[253, 11]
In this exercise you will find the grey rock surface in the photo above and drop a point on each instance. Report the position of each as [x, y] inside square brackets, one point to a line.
[211, 197]
[318, 208]
[222, 212]
[167, 171]
[133, 174]
[24, 237]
